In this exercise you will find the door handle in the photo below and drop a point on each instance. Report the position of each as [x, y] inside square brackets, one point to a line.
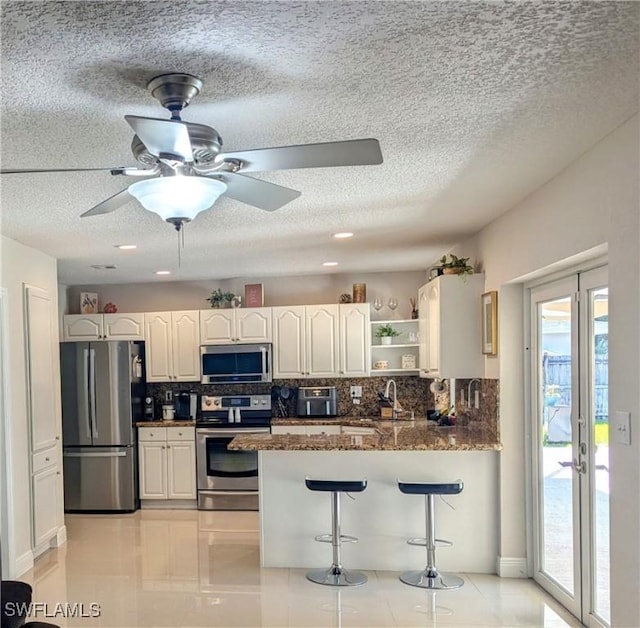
[578, 467]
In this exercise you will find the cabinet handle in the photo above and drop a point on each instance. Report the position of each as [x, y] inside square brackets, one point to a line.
[151, 434]
[179, 433]
[57, 472]
[163, 447]
[57, 438]
[168, 447]
[46, 459]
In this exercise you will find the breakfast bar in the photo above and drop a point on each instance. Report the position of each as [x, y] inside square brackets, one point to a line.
[381, 516]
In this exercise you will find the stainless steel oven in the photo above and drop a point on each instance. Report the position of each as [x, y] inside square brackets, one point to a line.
[228, 480]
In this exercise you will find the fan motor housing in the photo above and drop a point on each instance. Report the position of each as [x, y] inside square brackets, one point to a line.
[205, 141]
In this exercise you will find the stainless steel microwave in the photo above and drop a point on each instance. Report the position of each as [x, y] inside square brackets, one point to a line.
[236, 364]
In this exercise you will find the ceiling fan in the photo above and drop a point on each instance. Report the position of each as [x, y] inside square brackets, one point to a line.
[183, 171]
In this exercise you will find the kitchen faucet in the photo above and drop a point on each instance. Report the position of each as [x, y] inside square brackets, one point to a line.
[387, 390]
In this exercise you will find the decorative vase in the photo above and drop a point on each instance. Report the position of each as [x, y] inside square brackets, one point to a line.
[414, 314]
[454, 270]
[385, 340]
[359, 292]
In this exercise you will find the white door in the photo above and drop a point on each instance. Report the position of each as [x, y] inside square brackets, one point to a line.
[124, 326]
[158, 346]
[217, 327]
[253, 324]
[355, 340]
[323, 341]
[288, 342]
[186, 346]
[82, 327]
[153, 470]
[181, 469]
[569, 353]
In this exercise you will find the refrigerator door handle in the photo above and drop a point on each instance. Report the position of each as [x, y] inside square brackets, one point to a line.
[85, 379]
[94, 454]
[92, 392]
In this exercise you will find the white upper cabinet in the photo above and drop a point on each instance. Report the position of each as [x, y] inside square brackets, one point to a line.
[172, 346]
[321, 341]
[354, 339]
[289, 337]
[229, 326]
[450, 313]
[79, 327]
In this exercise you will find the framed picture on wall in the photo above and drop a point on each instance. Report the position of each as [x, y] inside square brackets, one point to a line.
[253, 295]
[490, 323]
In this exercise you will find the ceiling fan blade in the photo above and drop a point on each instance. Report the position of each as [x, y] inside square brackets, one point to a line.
[167, 137]
[261, 194]
[347, 153]
[9, 171]
[109, 205]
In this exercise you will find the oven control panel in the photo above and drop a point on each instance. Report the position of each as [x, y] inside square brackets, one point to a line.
[245, 402]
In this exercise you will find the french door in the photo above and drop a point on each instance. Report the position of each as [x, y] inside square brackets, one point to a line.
[570, 442]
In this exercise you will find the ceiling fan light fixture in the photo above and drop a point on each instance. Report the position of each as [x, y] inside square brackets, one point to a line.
[178, 197]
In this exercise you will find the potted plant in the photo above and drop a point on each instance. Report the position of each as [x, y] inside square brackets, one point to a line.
[455, 265]
[386, 333]
[219, 298]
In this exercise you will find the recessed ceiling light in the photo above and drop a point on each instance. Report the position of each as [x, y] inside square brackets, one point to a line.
[163, 272]
[329, 263]
[342, 235]
[126, 247]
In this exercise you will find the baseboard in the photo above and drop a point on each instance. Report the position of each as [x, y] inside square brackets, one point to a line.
[22, 564]
[169, 504]
[512, 567]
[60, 537]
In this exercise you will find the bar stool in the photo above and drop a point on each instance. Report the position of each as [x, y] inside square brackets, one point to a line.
[430, 577]
[336, 575]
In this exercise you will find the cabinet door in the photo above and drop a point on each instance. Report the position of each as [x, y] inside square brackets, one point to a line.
[158, 346]
[217, 327]
[355, 340]
[40, 361]
[253, 324]
[45, 505]
[124, 326]
[288, 341]
[186, 346]
[80, 327]
[181, 469]
[433, 328]
[423, 309]
[323, 341]
[153, 470]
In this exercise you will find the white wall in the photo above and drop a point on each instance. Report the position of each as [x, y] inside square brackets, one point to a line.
[306, 290]
[589, 207]
[21, 264]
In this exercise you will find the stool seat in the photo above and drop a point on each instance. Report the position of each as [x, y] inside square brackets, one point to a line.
[336, 575]
[431, 488]
[343, 486]
[430, 577]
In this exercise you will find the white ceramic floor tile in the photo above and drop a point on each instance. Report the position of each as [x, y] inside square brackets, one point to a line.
[194, 569]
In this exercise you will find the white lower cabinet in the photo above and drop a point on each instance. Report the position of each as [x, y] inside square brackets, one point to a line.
[46, 499]
[167, 462]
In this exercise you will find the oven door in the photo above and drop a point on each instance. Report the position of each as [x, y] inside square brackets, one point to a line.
[223, 470]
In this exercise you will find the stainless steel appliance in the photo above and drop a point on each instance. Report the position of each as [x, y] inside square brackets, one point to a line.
[103, 395]
[186, 405]
[236, 364]
[317, 401]
[228, 480]
[148, 409]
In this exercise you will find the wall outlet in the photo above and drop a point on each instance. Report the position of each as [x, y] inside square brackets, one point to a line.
[168, 396]
[356, 392]
[622, 428]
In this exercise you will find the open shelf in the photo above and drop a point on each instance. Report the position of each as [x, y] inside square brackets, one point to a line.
[394, 346]
[392, 354]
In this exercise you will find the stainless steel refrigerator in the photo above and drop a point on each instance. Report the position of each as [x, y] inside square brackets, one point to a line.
[103, 388]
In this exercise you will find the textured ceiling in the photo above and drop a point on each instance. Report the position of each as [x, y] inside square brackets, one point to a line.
[475, 105]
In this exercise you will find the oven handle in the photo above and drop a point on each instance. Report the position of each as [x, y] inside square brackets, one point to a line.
[223, 431]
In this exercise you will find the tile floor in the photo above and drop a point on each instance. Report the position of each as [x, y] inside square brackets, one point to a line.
[186, 568]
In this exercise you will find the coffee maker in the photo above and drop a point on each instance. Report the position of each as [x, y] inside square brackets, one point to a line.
[186, 405]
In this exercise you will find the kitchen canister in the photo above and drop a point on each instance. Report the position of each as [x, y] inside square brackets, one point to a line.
[168, 413]
[359, 292]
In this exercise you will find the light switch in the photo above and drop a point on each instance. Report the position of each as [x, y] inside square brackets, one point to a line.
[622, 428]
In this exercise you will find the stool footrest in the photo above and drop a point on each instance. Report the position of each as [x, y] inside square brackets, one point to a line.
[423, 542]
[328, 538]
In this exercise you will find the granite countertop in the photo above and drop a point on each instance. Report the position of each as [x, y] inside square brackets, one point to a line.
[174, 423]
[390, 436]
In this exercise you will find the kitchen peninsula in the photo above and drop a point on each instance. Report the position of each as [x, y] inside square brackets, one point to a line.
[381, 517]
